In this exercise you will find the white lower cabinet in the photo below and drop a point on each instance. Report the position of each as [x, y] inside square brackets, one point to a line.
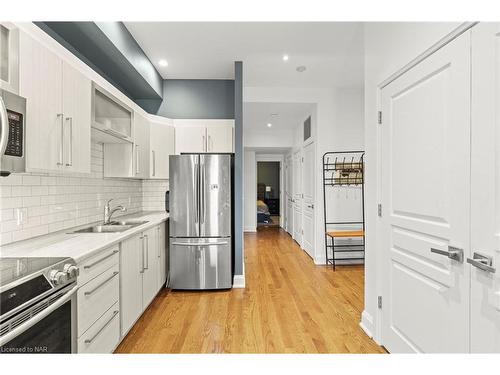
[98, 328]
[139, 269]
[104, 335]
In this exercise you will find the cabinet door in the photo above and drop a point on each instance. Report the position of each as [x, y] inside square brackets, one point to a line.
[141, 146]
[485, 189]
[76, 101]
[220, 138]
[131, 269]
[190, 139]
[162, 255]
[151, 264]
[162, 141]
[40, 82]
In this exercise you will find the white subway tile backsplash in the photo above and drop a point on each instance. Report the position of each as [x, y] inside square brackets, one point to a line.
[54, 202]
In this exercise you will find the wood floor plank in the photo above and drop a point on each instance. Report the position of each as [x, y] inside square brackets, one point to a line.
[289, 305]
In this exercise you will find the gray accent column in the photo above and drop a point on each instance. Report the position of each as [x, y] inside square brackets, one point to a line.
[238, 167]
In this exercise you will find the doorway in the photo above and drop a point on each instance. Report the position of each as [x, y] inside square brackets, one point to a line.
[269, 211]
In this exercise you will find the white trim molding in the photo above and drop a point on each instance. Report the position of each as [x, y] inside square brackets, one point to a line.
[366, 324]
[249, 229]
[239, 282]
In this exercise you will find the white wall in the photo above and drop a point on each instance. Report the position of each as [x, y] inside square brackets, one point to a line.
[338, 119]
[272, 138]
[249, 192]
[388, 48]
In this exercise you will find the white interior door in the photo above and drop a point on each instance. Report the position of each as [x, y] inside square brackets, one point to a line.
[297, 197]
[425, 194]
[485, 188]
[308, 200]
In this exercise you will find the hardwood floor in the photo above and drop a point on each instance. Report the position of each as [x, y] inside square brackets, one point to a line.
[289, 306]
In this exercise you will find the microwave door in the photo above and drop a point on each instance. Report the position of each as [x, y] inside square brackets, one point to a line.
[184, 195]
[215, 195]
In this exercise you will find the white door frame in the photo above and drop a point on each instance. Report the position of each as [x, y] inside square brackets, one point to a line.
[276, 158]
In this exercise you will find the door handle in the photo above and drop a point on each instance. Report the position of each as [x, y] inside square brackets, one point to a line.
[482, 262]
[147, 252]
[70, 161]
[453, 253]
[142, 254]
[61, 151]
[137, 160]
[154, 162]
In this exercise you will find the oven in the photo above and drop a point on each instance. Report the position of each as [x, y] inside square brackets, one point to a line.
[12, 133]
[38, 311]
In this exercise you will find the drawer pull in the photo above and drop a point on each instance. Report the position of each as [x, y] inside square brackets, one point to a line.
[88, 341]
[100, 260]
[101, 284]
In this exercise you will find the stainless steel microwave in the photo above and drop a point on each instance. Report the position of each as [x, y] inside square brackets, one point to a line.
[12, 133]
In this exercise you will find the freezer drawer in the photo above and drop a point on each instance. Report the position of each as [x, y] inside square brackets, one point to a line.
[200, 263]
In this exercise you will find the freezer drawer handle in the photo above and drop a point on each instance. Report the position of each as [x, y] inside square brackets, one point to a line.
[453, 253]
[199, 244]
[482, 262]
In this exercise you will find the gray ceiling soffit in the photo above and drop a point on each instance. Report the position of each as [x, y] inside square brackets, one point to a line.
[92, 45]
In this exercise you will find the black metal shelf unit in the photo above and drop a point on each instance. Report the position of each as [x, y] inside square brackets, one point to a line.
[344, 168]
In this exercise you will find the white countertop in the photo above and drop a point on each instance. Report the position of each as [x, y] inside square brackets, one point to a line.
[80, 246]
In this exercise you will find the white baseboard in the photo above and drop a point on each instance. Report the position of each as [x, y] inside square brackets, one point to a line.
[250, 229]
[366, 324]
[239, 281]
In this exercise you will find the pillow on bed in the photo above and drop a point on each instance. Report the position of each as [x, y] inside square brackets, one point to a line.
[262, 207]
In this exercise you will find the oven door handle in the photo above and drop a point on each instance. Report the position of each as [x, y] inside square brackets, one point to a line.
[31, 322]
[4, 127]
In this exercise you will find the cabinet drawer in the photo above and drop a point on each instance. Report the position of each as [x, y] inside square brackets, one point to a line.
[96, 297]
[104, 335]
[99, 263]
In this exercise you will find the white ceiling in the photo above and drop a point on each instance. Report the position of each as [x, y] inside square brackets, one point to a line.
[331, 51]
[289, 115]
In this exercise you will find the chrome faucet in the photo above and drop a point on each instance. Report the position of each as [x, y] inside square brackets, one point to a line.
[109, 212]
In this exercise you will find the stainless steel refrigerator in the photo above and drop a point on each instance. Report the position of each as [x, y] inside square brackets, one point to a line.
[200, 221]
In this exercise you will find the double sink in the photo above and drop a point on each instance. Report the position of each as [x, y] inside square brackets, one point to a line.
[112, 227]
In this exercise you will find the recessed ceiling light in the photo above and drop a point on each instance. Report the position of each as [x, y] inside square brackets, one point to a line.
[301, 69]
[163, 62]
[269, 124]
[285, 57]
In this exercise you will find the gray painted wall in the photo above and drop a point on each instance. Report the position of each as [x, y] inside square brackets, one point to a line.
[195, 98]
[238, 167]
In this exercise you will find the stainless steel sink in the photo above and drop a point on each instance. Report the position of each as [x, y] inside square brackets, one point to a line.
[113, 227]
[127, 222]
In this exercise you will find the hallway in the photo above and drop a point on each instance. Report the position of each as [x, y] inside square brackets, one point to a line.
[289, 306]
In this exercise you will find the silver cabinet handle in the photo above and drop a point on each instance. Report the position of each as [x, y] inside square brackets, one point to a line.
[4, 127]
[146, 238]
[453, 253]
[70, 161]
[154, 162]
[142, 254]
[482, 262]
[137, 169]
[158, 241]
[101, 284]
[204, 143]
[88, 341]
[61, 151]
[100, 260]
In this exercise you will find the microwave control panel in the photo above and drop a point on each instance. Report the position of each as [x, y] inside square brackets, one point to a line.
[15, 142]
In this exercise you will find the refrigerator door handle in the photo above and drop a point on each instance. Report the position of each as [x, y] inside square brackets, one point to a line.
[202, 195]
[196, 192]
[200, 243]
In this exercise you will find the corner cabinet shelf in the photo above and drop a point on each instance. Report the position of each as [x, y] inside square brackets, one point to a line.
[111, 120]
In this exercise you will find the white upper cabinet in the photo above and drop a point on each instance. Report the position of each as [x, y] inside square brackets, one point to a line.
[129, 160]
[9, 57]
[189, 137]
[162, 145]
[58, 110]
[213, 136]
[77, 117]
[220, 138]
